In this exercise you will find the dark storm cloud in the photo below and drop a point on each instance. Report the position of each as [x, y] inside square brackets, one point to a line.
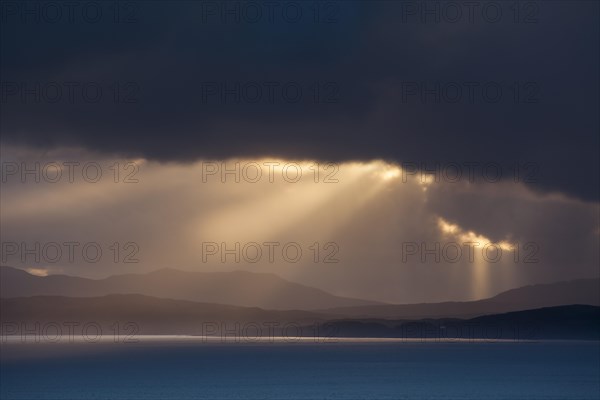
[162, 69]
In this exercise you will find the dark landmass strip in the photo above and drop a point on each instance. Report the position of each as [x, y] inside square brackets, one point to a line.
[143, 315]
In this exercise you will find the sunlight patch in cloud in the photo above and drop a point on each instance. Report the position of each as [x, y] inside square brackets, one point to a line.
[478, 240]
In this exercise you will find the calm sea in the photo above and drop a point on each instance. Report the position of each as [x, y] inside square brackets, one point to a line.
[173, 368]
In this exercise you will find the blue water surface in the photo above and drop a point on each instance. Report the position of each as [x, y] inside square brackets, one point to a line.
[367, 370]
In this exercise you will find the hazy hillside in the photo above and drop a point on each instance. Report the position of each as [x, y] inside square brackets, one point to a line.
[151, 315]
[268, 291]
[239, 288]
[583, 291]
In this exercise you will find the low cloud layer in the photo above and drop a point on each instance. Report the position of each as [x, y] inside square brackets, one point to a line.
[335, 81]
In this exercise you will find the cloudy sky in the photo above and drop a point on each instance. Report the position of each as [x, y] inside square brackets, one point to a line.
[377, 138]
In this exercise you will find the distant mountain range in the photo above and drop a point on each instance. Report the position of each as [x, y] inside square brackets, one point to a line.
[152, 315]
[268, 291]
[239, 288]
[582, 291]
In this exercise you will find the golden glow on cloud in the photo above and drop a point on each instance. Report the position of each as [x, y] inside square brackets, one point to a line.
[447, 227]
[391, 173]
[470, 237]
